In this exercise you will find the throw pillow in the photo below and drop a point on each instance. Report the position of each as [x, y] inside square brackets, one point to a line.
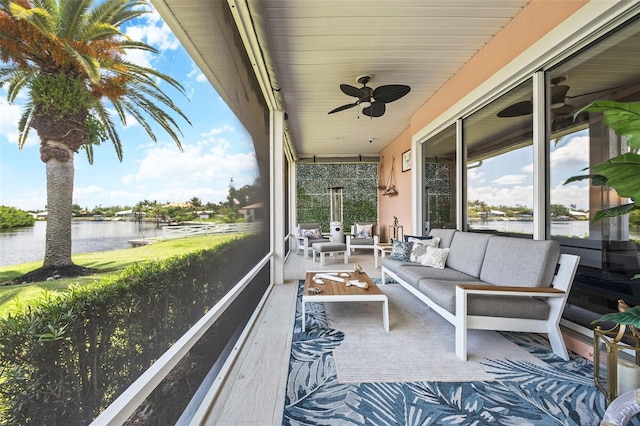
[417, 237]
[436, 257]
[311, 233]
[419, 249]
[400, 250]
[364, 230]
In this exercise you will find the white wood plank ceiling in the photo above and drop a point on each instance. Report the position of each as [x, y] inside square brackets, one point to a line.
[319, 44]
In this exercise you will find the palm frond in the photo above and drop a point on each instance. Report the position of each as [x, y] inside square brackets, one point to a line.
[99, 31]
[88, 148]
[25, 124]
[15, 85]
[105, 118]
[71, 16]
[38, 16]
[88, 63]
[129, 10]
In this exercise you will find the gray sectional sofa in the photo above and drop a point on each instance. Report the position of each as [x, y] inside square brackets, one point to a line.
[493, 283]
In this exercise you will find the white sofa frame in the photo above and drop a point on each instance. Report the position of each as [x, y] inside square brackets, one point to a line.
[556, 296]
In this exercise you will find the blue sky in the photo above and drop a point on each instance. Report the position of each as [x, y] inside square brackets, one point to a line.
[507, 179]
[216, 146]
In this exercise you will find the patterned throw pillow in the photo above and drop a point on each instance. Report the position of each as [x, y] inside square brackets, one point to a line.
[311, 233]
[364, 231]
[436, 257]
[400, 250]
[419, 249]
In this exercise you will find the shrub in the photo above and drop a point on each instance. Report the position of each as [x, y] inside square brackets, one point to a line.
[11, 217]
[66, 357]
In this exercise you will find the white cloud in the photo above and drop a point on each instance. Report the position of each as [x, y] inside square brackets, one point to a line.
[196, 74]
[511, 180]
[566, 195]
[9, 118]
[508, 196]
[203, 170]
[476, 176]
[154, 32]
[571, 157]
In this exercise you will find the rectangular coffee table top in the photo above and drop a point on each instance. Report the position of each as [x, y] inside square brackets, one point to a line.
[334, 288]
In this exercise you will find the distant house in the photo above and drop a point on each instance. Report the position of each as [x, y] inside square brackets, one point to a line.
[252, 212]
[41, 215]
[130, 214]
[124, 213]
[204, 214]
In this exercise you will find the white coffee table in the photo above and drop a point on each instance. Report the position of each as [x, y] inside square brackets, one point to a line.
[333, 291]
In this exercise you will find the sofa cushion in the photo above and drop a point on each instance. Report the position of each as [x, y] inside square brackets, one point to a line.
[443, 293]
[408, 270]
[400, 250]
[445, 235]
[436, 257]
[520, 262]
[314, 233]
[361, 241]
[468, 252]
[364, 230]
[419, 248]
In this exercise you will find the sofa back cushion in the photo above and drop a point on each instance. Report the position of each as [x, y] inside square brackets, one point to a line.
[445, 235]
[468, 252]
[520, 262]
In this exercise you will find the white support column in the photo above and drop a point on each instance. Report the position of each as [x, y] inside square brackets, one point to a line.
[417, 187]
[278, 214]
[461, 178]
[540, 159]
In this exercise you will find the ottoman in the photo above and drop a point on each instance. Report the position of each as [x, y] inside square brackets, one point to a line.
[324, 248]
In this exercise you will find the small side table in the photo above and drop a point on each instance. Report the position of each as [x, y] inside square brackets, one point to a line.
[382, 249]
[620, 375]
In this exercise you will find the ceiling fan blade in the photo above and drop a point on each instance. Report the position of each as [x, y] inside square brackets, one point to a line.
[563, 110]
[376, 109]
[558, 95]
[516, 110]
[351, 91]
[343, 107]
[390, 92]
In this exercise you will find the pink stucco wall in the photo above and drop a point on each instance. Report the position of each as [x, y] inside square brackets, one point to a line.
[533, 22]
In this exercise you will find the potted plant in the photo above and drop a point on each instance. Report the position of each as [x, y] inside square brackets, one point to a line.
[621, 173]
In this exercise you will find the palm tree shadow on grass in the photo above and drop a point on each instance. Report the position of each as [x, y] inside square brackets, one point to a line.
[49, 273]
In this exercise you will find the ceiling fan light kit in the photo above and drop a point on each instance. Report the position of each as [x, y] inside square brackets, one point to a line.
[373, 100]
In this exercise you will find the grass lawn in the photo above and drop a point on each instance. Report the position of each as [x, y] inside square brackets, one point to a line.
[107, 262]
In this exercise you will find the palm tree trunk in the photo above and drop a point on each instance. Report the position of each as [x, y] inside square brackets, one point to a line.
[59, 201]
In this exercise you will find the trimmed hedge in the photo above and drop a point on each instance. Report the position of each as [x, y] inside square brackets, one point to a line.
[65, 358]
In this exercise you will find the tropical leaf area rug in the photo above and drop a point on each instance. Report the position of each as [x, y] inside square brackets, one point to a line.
[554, 392]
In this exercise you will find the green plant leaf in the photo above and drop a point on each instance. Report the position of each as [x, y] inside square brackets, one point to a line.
[615, 211]
[622, 117]
[597, 180]
[623, 174]
[629, 317]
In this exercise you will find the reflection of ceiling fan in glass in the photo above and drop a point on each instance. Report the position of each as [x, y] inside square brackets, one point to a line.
[559, 105]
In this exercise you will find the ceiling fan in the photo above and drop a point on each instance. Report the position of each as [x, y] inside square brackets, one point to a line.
[375, 98]
[559, 105]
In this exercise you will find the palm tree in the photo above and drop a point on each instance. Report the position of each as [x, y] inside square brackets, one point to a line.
[69, 59]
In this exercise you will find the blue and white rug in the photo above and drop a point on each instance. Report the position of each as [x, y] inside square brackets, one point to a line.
[560, 393]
